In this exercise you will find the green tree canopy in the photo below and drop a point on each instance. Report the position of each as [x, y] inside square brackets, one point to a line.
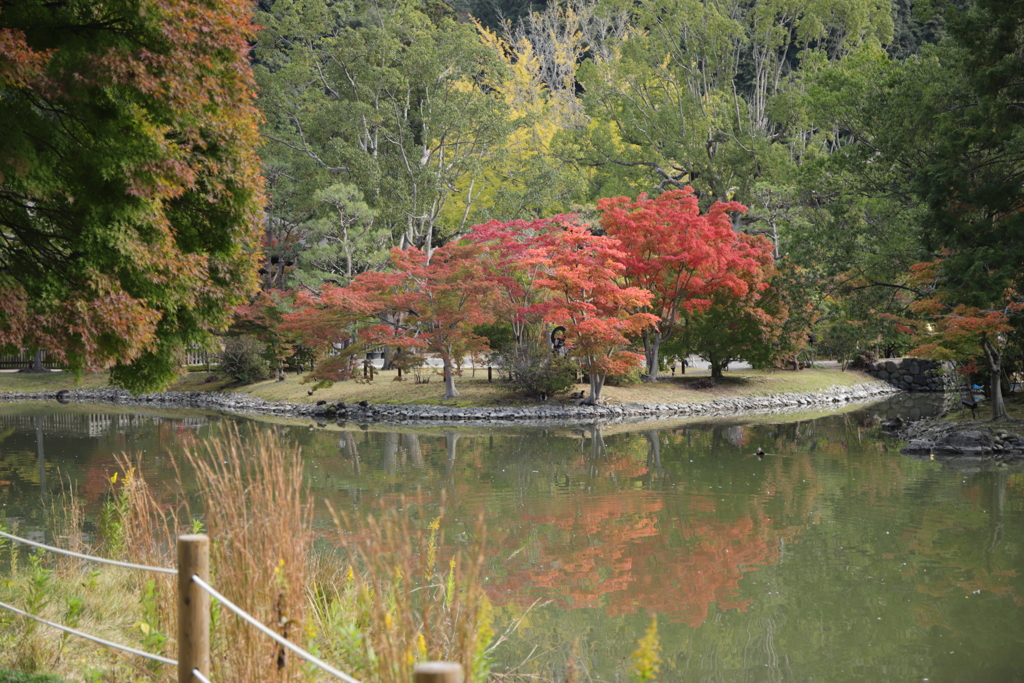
[130, 193]
[389, 98]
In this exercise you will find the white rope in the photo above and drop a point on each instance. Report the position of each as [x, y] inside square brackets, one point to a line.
[102, 560]
[105, 643]
[196, 673]
[278, 639]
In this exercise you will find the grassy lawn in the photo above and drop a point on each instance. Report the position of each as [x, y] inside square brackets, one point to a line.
[475, 391]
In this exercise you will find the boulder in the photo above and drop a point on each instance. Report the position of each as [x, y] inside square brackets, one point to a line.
[971, 442]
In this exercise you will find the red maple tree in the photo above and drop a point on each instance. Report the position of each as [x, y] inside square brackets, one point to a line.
[682, 257]
[599, 314]
[422, 304]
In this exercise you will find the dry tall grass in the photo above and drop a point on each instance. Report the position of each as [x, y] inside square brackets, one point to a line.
[376, 605]
[407, 605]
[260, 521]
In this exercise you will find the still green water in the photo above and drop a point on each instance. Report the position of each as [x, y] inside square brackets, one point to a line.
[833, 558]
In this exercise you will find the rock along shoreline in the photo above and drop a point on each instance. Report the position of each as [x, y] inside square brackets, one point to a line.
[426, 415]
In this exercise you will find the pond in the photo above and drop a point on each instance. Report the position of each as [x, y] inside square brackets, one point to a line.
[832, 558]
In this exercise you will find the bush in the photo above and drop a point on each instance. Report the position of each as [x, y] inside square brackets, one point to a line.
[862, 360]
[243, 360]
[534, 370]
[624, 380]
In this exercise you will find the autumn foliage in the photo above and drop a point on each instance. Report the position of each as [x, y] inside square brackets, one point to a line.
[952, 331]
[685, 259]
[130, 192]
[661, 260]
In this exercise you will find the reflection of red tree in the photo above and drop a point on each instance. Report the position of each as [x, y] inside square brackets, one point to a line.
[612, 552]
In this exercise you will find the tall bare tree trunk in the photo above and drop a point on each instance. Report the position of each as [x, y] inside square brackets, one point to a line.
[652, 352]
[993, 359]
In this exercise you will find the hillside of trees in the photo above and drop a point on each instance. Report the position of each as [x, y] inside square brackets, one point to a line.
[747, 179]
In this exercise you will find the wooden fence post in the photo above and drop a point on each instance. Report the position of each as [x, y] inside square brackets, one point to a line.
[437, 672]
[193, 607]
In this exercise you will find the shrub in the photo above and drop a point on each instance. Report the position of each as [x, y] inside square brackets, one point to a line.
[534, 370]
[243, 360]
[862, 360]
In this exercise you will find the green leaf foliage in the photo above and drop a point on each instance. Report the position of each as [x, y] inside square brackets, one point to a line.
[130, 193]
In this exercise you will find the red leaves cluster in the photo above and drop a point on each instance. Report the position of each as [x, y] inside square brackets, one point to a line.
[682, 257]
[664, 257]
[582, 276]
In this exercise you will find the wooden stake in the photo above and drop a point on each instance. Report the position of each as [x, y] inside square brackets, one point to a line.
[193, 607]
[437, 672]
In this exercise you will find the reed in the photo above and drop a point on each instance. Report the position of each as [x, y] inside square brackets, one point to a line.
[391, 594]
[409, 602]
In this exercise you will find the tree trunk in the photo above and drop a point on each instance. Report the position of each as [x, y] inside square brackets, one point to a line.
[449, 380]
[37, 363]
[351, 450]
[412, 445]
[450, 439]
[716, 369]
[654, 470]
[652, 351]
[994, 361]
[597, 447]
[596, 384]
[390, 453]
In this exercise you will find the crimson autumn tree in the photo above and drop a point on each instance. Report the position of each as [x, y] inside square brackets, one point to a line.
[421, 304]
[446, 296]
[683, 258]
[130, 193]
[516, 254]
[748, 325]
[598, 313]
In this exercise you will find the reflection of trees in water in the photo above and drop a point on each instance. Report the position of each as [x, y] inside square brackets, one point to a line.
[766, 556]
[412, 447]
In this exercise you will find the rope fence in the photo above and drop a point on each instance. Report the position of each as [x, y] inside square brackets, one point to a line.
[90, 558]
[283, 642]
[194, 593]
[95, 639]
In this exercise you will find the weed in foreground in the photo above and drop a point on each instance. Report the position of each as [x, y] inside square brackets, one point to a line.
[393, 594]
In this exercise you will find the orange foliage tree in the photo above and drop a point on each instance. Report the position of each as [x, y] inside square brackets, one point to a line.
[516, 254]
[598, 313]
[955, 331]
[683, 258]
[421, 304]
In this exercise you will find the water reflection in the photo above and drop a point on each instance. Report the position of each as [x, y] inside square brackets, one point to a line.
[832, 557]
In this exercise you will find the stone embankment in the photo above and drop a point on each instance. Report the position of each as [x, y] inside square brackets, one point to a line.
[428, 414]
[961, 438]
[909, 374]
[966, 447]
